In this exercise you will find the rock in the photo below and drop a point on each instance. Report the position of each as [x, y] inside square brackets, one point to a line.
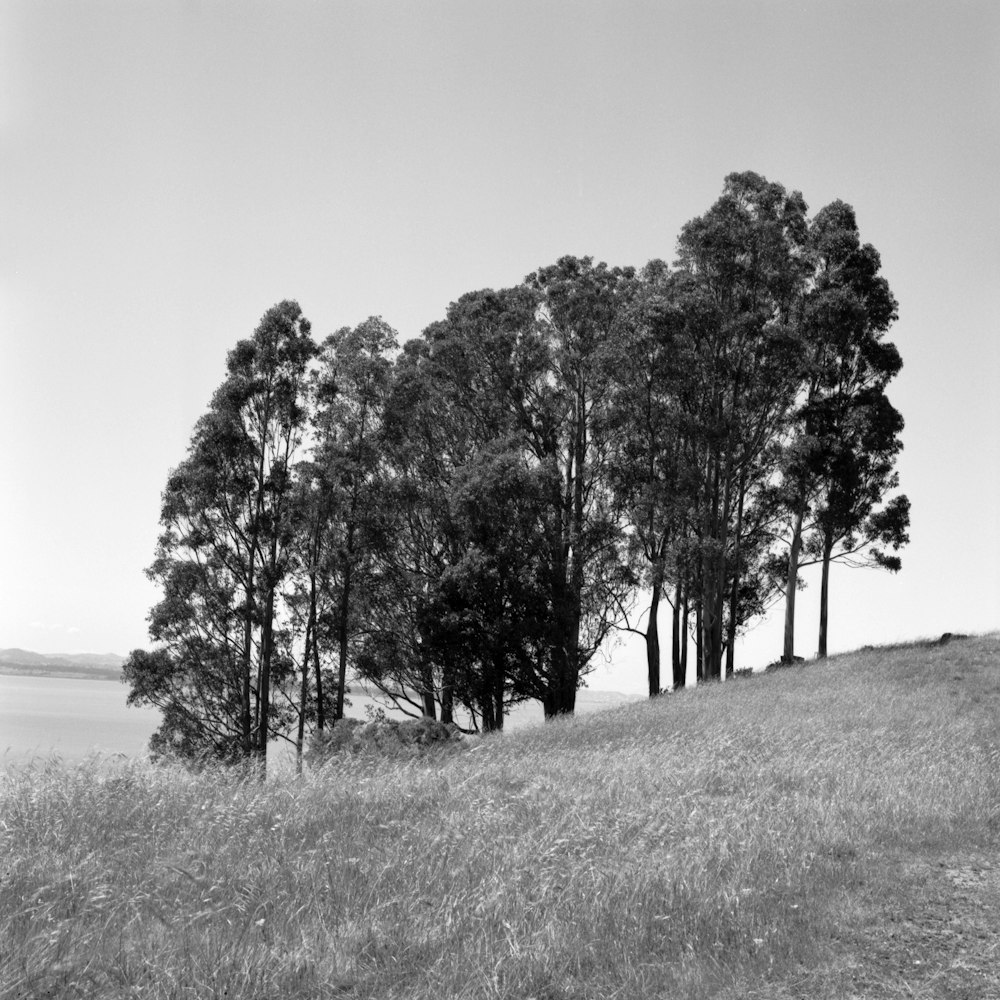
[779, 664]
[949, 636]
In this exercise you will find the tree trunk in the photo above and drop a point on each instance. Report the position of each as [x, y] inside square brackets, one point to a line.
[266, 643]
[345, 607]
[429, 705]
[491, 695]
[722, 576]
[562, 677]
[824, 593]
[560, 697]
[304, 696]
[567, 577]
[788, 652]
[447, 703]
[320, 709]
[427, 693]
[699, 654]
[675, 638]
[734, 596]
[499, 685]
[255, 739]
[710, 563]
[486, 706]
[345, 598]
[680, 682]
[246, 715]
[653, 638]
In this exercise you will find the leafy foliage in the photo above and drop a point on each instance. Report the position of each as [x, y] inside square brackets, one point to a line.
[465, 522]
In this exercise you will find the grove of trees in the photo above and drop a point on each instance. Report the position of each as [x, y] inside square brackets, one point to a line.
[463, 522]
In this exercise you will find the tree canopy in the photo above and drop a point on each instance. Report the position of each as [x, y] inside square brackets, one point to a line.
[463, 522]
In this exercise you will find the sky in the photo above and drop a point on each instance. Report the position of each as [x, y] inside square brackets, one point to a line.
[169, 170]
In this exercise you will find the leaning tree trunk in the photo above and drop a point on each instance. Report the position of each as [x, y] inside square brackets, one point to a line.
[653, 638]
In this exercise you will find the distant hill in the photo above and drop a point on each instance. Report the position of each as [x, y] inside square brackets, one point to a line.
[96, 666]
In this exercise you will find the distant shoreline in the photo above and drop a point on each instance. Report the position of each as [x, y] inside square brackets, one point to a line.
[68, 673]
[18, 662]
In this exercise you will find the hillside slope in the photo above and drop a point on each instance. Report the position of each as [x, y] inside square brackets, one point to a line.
[824, 831]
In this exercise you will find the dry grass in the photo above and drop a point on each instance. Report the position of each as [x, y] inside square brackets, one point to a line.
[714, 843]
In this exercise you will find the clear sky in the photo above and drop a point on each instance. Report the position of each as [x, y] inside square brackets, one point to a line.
[169, 170]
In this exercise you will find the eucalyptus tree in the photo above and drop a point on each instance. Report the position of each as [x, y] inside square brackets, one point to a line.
[352, 384]
[563, 409]
[228, 529]
[842, 457]
[856, 522]
[510, 385]
[463, 569]
[439, 415]
[486, 618]
[340, 505]
[741, 270]
[647, 362]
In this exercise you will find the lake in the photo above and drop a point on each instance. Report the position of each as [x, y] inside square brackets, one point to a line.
[73, 718]
[70, 717]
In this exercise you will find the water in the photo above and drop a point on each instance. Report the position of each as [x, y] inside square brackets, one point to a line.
[73, 718]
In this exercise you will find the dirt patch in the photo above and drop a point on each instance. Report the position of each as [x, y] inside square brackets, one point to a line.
[936, 938]
[939, 937]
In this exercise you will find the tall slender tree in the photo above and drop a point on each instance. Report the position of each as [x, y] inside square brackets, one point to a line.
[842, 456]
[581, 308]
[646, 366]
[352, 384]
[743, 269]
[228, 528]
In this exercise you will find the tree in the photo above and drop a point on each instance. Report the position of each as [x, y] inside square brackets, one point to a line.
[851, 526]
[563, 410]
[352, 385]
[513, 372]
[228, 529]
[646, 366]
[486, 618]
[340, 520]
[842, 458]
[741, 272]
[452, 446]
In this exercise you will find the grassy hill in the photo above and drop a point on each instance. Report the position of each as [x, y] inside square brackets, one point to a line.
[825, 831]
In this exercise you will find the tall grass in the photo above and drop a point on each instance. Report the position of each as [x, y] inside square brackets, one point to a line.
[710, 841]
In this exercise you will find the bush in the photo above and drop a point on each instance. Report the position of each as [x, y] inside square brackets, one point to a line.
[383, 738]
